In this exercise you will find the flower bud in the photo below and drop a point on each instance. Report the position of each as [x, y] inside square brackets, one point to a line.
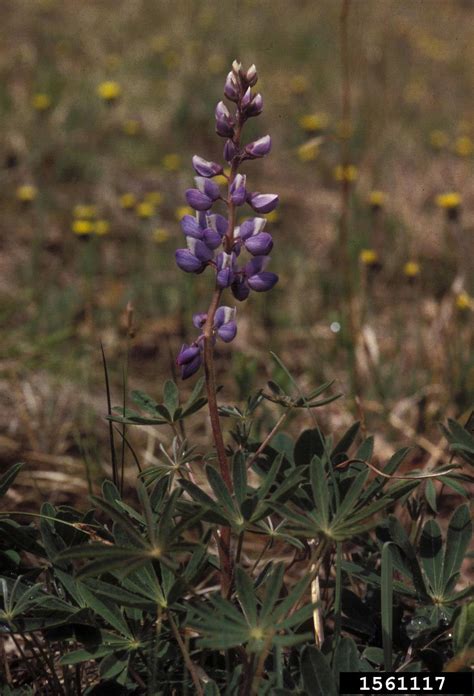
[187, 354]
[259, 148]
[230, 151]
[240, 290]
[231, 89]
[211, 238]
[190, 227]
[246, 99]
[224, 121]
[205, 168]
[251, 76]
[236, 67]
[199, 249]
[227, 332]
[255, 107]
[225, 270]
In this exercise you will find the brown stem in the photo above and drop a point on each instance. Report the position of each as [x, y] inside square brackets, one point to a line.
[269, 437]
[187, 659]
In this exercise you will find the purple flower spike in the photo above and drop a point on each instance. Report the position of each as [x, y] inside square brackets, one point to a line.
[205, 168]
[224, 121]
[259, 148]
[199, 319]
[263, 202]
[261, 282]
[237, 190]
[219, 241]
[259, 244]
[198, 200]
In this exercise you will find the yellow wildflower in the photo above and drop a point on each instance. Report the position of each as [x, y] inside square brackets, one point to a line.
[299, 84]
[464, 147]
[127, 201]
[154, 197]
[171, 162]
[438, 139]
[131, 126]
[26, 193]
[109, 90]
[220, 179]
[345, 173]
[368, 257]
[85, 212]
[464, 301]
[183, 210]
[102, 227]
[312, 123]
[160, 235]
[82, 227]
[41, 101]
[145, 210]
[411, 269]
[309, 151]
[448, 201]
[377, 199]
[272, 216]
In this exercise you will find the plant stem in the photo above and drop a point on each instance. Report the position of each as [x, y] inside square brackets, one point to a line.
[269, 437]
[187, 659]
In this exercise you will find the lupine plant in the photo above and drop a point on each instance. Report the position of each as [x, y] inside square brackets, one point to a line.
[291, 561]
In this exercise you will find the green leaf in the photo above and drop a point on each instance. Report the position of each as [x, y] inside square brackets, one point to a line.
[171, 397]
[121, 519]
[430, 495]
[320, 489]
[344, 444]
[346, 656]
[308, 445]
[317, 676]
[400, 538]
[107, 611]
[431, 555]
[8, 477]
[273, 589]
[220, 490]
[246, 595]
[352, 496]
[239, 475]
[386, 600]
[457, 542]
[463, 633]
[77, 656]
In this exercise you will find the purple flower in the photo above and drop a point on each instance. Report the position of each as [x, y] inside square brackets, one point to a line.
[259, 148]
[218, 223]
[212, 238]
[226, 266]
[255, 107]
[191, 227]
[251, 75]
[246, 99]
[205, 168]
[199, 319]
[198, 200]
[231, 87]
[188, 262]
[261, 282]
[240, 289]
[187, 354]
[263, 202]
[237, 190]
[208, 188]
[259, 244]
[224, 121]
[224, 323]
[230, 151]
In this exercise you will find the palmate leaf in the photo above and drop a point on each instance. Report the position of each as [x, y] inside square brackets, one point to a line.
[106, 558]
[171, 397]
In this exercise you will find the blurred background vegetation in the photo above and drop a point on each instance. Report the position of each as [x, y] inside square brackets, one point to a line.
[103, 105]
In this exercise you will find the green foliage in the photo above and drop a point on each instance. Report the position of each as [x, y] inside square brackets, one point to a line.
[129, 588]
